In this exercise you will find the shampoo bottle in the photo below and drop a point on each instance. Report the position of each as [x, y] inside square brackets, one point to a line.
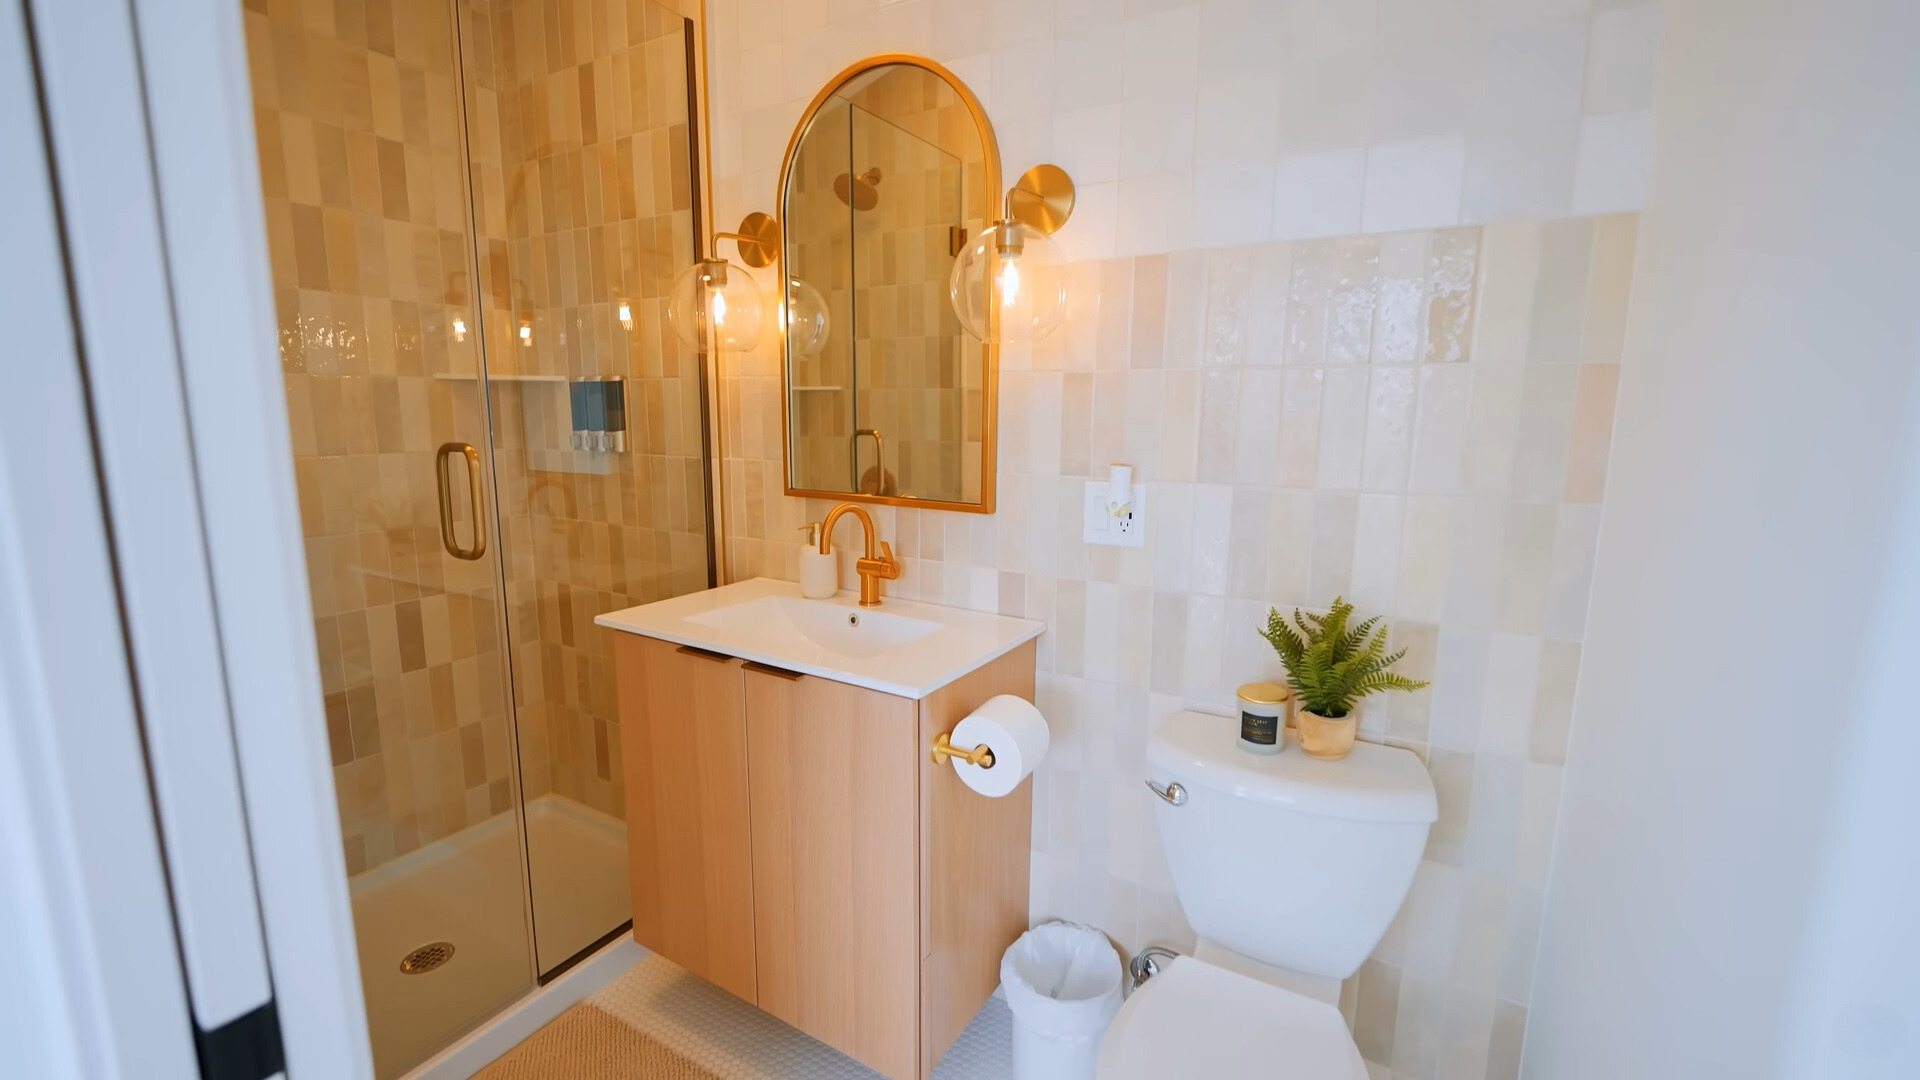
[819, 574]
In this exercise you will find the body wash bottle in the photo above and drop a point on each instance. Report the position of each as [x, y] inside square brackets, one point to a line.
[819, 574]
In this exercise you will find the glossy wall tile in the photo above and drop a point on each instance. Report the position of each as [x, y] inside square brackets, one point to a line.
[1416, 420]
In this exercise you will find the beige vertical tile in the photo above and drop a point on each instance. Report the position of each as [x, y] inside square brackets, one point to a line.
[1560, 291]
[1219, 409]
[1592, 432]
[1546, 420]
[1440, 428]
[1493, 424]
[1509, 270]
[1554, 685]
[1399, 319]
[1300, 426]
[1352, 299]
[1147, 336]
[1344, 399]
[1308, 289]
[1452, 268]
[1256, 452]
[1076, 427]
[1180, 426]
[1525, 567]
[1497, 813]
[1503, 1041]
[1389, 434]
[1290, 547]
[1186, 308]
[1272, 272]
[1335, 519]
[1376, 1010]
[1252, 511]
[1608, 286]
[1229, 285]
[1378, 527]
[1419, 1020]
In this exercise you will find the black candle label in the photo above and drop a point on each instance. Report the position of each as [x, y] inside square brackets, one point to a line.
[1259, 730]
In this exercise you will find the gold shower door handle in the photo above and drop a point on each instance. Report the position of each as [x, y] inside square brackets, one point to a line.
[879, 458]
[452, 544]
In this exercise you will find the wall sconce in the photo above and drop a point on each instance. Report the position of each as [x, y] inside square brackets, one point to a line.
[624, 312]
[1008, 285]
[714, 299]
[804, 317]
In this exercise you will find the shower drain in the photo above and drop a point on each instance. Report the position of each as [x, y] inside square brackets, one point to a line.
[426, 958]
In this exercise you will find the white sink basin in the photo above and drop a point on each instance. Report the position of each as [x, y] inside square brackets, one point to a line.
[902, 647]
[828, 625]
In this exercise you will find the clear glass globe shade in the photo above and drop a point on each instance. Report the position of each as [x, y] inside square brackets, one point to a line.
[715, 298]
[804, 315]
[1009, 285]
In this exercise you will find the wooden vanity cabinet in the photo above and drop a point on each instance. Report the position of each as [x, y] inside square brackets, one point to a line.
[689, 847]
[872, 894]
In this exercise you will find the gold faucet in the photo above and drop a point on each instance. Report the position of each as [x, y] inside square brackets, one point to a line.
[872, 569]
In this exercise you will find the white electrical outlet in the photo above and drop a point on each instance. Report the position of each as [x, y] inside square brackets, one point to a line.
[1127, 528]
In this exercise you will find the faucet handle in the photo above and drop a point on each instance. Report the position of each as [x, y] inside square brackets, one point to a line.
[886, 551]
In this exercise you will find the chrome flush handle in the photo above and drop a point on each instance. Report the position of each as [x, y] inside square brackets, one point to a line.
[1174, 794]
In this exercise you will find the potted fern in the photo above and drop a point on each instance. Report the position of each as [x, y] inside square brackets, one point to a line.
[1331, 665]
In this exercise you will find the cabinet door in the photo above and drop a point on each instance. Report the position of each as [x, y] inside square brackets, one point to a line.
[834, 779]
[684, 727]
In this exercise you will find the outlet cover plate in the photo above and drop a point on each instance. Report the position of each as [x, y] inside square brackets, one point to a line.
[1126, 530]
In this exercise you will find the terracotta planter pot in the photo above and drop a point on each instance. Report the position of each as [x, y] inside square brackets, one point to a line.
[1324, 738]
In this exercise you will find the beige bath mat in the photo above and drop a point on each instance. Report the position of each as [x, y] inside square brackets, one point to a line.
[585, 1043]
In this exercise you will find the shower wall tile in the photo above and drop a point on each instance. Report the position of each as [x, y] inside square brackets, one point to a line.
[1416, 420]
[582, 200]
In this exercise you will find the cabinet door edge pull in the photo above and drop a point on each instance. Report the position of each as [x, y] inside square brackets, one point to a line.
[705, 654]
[768, 669]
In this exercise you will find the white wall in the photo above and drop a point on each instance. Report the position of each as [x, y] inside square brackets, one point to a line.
[1735, 817]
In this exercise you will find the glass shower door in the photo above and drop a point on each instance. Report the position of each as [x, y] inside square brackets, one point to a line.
[583, 177]
[362, 160]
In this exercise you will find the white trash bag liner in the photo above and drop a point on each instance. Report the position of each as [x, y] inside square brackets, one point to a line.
[1062, 982]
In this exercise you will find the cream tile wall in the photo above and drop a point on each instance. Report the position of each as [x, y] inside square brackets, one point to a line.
[1210, 123]
[1332, 301]
[1417, 420]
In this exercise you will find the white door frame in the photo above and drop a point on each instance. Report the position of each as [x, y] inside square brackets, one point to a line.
[197, 628]
[90, 976]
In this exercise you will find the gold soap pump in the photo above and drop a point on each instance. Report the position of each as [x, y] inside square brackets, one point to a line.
[819, 571]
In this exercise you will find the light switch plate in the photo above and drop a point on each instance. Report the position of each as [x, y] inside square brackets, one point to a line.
[1126, 530]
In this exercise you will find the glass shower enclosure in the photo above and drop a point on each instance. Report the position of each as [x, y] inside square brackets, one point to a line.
[474, 209]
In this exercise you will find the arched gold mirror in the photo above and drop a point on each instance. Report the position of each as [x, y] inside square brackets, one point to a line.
[891, 171]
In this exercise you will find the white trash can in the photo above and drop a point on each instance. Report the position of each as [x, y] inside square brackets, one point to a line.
[1062, 982]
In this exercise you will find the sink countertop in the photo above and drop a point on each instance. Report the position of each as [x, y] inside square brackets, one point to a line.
[959, 642]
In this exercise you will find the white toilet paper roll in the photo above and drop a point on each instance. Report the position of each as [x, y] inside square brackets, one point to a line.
[1016, 733]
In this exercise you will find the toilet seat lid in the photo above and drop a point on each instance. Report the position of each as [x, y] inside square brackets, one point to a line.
[1195, 1019]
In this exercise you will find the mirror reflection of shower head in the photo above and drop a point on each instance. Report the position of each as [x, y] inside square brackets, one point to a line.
[860, 192]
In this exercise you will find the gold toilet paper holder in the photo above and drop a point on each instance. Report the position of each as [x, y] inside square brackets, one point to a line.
[943, 749]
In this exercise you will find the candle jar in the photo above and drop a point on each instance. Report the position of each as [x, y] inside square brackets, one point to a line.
[1263, 717]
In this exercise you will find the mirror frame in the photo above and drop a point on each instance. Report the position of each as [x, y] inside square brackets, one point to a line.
[989, 353]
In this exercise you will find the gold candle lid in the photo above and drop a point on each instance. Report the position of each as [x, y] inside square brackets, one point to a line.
[1263, 693]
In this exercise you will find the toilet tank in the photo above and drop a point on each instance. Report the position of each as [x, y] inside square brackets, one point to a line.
[1285, 859]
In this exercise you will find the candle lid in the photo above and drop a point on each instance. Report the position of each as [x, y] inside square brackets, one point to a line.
[1264, 693]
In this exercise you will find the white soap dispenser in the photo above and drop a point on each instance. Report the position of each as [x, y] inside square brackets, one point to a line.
[819, 573]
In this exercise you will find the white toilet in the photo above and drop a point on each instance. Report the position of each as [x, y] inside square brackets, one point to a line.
[1289, 870]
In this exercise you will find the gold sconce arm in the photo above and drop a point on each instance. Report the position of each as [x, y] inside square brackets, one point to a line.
[943, 749]
[758, 240]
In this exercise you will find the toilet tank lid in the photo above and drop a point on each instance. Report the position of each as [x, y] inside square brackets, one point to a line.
[1373, 783]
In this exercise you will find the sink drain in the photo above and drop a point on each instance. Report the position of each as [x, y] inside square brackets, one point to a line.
[426, 958]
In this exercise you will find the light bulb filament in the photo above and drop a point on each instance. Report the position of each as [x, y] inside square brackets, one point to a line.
[1009, 282]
